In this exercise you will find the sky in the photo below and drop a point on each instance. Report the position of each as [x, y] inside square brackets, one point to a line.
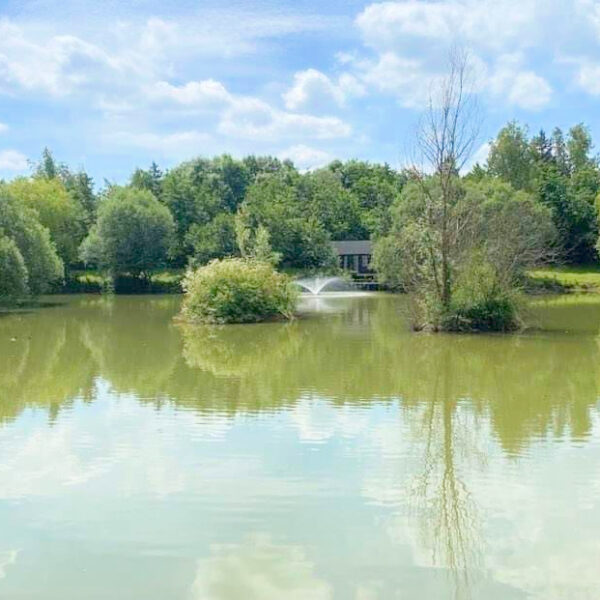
[110, 86]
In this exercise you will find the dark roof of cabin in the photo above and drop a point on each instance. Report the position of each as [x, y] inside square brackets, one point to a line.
[353, 247]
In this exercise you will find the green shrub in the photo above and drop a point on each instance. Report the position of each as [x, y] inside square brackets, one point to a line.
[482, 300]
[489, 314]
[237, 290]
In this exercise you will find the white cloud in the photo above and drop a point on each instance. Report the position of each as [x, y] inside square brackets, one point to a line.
[412, 38]
[313, 88]
[129, 55]
[389, 25]
[588, 78]
[350, 85]
[530, 91]
[206, 94]
[3, 127]
[404, 78]
[252, 118]
[56, 65]
[521, 87]
[12, 160]
[305, 157]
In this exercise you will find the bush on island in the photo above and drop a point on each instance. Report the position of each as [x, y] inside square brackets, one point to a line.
[237, 290]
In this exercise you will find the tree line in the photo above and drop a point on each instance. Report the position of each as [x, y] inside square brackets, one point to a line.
[55, 221]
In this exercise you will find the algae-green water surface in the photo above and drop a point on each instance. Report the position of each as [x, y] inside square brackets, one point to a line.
[339, 456]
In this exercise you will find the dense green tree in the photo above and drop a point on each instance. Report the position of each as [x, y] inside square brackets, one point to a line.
[81, 188]
[376, 187]
[215, 239]
[563, 175]
[132, 235]
[573, 212]
[541, 147]
[265, 165]
[64, 218]
[47, 167]
[327, 201]
[13, 272]
[79, 185]
[579, 145]
[150, 180]
[511, 157]
[560, 153]
[21, 224]
[191, 195]
[272, 202]
[229, 180]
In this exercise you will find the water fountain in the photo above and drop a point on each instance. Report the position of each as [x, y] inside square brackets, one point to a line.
[315, 285]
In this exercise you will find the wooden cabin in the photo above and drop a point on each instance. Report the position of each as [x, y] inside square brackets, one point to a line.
[355, 256]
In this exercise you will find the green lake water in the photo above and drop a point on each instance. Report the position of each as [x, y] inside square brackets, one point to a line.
[336, 457]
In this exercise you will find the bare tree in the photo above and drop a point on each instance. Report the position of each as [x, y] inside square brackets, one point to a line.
[460, 248]
[445, 139]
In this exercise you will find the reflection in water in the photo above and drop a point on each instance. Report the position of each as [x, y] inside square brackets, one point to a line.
[342, 436]
[528, 386]
[447, 512]
[258, 569]
[7, 558]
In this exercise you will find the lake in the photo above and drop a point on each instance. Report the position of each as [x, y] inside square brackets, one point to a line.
[340, 456]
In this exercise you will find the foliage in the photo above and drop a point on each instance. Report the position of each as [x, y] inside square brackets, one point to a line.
[497, 235]
[237, 290]
[215, 239]
[262, 251]
[150, 180]
[563, 175]
[300, 239]
[64, 218]
[132, 234]
[79, 185]
[21, 224]
[480, 301]
[375, 187]
[510, 157]
[13, 272]
[263, 207]
[256, 244]
[332, 205]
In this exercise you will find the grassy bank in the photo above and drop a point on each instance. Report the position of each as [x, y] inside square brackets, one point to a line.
[92, 282]
[565, 279]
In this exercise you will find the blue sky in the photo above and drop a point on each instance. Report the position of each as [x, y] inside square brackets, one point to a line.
[113, 85]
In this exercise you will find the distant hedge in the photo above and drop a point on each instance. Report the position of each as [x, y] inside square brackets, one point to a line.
[237, 290]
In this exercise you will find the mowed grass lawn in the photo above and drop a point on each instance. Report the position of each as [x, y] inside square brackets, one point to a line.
[571, 278]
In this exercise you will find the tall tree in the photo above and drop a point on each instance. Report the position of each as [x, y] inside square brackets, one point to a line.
[132, 235]
[21, 224]
[13, 272]
[64, 218]
[511, 157]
